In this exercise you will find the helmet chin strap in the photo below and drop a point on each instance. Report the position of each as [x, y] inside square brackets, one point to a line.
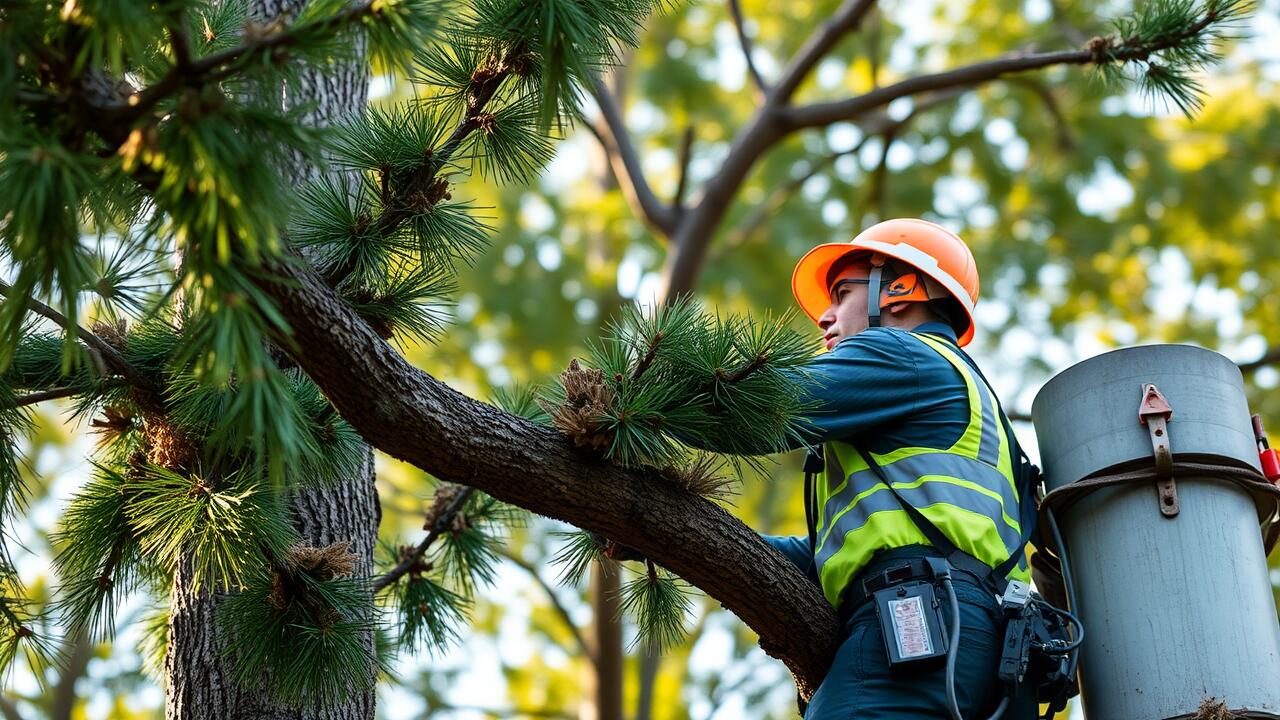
[873, 294]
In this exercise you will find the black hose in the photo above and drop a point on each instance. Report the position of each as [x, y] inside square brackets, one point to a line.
[1075, 622]
[952, 649]
[1071, 590]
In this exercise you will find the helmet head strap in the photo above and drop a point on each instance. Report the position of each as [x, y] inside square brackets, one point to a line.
[874, 282]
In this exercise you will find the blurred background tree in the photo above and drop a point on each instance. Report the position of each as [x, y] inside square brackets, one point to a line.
[1100, 218]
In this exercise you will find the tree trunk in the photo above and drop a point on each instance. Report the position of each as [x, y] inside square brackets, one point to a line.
[198, 686]
[607, 639]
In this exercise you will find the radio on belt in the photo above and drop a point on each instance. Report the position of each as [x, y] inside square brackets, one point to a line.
[912, 625]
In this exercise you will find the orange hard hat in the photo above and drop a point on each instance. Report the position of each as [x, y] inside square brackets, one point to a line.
[932, 249]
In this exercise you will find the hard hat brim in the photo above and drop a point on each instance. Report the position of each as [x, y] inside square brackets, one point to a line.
[809, 279]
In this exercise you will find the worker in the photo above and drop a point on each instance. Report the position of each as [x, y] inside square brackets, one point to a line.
[901, 401]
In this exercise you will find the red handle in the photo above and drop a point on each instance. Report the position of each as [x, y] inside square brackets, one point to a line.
[1270, 464]
[1266, 454]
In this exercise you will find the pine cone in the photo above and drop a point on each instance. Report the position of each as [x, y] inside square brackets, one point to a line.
[588, 400]
[324, 563]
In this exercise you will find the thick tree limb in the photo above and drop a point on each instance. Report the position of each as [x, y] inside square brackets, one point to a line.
[626, 163]
[414, 417]
[735, 12]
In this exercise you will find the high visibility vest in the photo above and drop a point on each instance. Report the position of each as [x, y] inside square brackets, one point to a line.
[967, 490]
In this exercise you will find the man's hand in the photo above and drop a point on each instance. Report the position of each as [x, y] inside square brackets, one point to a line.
[617, 551]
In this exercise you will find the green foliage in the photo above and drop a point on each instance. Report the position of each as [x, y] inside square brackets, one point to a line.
[573, 40]
[520, 399]
[301, 639]
[430, 614]
[1177, 38]
[22, 633]
[468, 549]
[224, 527]
[659, 603]
[576, 555]
[99, 559]
[677, 377]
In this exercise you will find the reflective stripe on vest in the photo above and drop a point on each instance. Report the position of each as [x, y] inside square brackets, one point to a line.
[967, 490]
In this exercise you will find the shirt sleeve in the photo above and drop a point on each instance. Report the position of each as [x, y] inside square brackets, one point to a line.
[865, 381]
[796, 549]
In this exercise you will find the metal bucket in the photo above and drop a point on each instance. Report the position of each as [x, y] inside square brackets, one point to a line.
[1178, 609]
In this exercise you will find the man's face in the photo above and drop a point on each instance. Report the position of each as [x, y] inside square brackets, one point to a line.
[846, 316]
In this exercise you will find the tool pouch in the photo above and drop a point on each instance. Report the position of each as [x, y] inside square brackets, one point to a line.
[1034, 653]
[911, 623]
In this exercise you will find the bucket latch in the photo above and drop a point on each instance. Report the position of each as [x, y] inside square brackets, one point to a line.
[1154, 412]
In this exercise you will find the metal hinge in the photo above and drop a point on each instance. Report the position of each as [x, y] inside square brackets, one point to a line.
[1154, 412]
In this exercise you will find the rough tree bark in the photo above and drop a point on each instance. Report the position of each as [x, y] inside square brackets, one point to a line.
[198, 686]
[412, 416]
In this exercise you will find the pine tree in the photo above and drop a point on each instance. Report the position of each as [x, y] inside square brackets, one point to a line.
[134, 133]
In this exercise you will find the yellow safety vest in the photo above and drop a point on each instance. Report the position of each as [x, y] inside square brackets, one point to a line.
[967, 490]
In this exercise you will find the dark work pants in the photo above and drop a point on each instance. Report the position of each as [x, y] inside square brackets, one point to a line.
[859, 685]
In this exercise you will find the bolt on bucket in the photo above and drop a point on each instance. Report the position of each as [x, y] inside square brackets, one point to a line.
[1152, 469]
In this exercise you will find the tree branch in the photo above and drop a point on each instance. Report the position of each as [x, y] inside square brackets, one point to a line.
[59, 392]
[845, 20]
[686, 153]
[626, 163]
[559, 607]
[822, 114]
[1045, 93]
[108, 351]
[227, 62]
[1271, 357]
[8, 709]
[414, 417]
[735, 12]
[442, 522]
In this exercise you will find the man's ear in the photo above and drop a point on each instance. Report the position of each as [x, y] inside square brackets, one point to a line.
[898, 307]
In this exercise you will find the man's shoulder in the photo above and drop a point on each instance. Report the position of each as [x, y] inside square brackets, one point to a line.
[886, 340]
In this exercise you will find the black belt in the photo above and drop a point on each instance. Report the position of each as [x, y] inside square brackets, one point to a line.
[894, 567]
[866, 584]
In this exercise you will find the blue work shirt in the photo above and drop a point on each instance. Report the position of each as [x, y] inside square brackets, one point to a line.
[882, 390]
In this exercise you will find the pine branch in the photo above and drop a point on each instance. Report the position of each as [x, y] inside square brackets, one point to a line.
[481, 445]
[439, 524]
[109, 353]
[230, 62]
[659, 603]
[62, 392]
[1139, 44]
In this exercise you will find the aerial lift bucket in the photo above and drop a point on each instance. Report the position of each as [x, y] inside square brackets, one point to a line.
[1153, 475]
